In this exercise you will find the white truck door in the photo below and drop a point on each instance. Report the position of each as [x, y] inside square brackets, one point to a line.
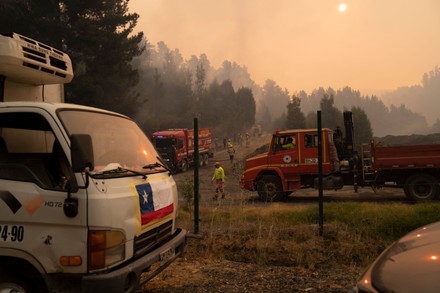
[33, 189]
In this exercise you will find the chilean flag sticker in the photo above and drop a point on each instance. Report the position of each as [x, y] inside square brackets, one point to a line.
[154, 202]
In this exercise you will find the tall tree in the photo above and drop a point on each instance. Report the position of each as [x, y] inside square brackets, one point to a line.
[200, 80]
[331, 116]
[211, 107]
[363, 132]
[265, 118]
[311, 118]
[228, 107]
[100, 41]
[36, 19]
[275, 97]
[245, 109]
[295, 118]
[97, 35]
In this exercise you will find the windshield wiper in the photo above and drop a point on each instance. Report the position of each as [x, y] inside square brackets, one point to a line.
[120, 170]
[160, 164]
[144, 176]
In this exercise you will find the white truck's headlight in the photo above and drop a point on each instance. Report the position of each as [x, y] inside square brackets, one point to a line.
[105, 248]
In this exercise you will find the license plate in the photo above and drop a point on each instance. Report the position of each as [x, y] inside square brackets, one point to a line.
[166, 255]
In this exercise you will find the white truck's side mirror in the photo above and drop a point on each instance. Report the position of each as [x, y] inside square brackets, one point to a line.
[81, 152]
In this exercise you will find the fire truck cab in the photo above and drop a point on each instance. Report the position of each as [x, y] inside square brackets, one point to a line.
[291, 163]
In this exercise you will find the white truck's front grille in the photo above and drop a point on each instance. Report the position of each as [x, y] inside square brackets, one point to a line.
[150, 239]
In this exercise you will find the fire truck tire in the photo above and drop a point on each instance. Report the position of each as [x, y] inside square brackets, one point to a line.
[269, 188]
[422, 187]
[184, 166]
[205, 159]
[174, 169]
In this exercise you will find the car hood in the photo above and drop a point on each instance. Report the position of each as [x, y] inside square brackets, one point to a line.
[412, 264]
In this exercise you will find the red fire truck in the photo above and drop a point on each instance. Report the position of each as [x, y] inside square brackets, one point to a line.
[176, 147]
[278, 172]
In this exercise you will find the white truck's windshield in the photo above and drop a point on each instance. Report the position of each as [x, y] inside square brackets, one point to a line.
[116, 140]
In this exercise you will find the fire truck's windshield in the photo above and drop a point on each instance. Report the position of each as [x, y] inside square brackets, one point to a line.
[116, 140]
[164, 142]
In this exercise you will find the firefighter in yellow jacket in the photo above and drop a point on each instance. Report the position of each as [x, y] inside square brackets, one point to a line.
[231, 150]
[219, 177]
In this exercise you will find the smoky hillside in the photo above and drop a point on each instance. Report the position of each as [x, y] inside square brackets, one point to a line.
[166, 78]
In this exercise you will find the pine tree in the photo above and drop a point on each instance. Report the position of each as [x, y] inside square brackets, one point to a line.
[331, 116]
[295, 118]
[97, 35]
[362, 127]
[100, 42]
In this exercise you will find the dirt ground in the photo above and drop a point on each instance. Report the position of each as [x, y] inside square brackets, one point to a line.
[193, 273]
[212, 275]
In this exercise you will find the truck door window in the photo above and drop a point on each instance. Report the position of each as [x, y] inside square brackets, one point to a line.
[276, 144]
[311, 140]
[28, 155]
[288, 142]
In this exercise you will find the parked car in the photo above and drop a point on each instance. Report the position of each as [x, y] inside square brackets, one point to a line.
[411, 264]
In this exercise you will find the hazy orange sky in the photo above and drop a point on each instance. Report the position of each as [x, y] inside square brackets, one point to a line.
[372, 46]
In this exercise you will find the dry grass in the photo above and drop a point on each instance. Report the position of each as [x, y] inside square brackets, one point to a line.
[354, 233]
[287, 234]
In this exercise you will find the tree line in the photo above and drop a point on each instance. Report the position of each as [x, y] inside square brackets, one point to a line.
[119, 70]
[174, 91]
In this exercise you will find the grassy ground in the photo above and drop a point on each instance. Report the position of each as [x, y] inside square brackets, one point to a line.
[288, 234]
[353, 233]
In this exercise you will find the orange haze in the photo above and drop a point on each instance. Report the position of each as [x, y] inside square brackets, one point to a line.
[372, 46]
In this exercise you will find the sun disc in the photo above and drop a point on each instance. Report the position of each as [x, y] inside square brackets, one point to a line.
[342, 7]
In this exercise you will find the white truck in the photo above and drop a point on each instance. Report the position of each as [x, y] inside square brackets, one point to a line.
[86, 204]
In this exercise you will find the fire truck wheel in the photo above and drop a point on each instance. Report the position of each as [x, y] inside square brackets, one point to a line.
[422, 187]
[174, 169]
[269, 188]
[205, 160]
[184, 166]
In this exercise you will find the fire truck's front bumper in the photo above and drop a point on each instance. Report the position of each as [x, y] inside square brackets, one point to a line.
[246, 183]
